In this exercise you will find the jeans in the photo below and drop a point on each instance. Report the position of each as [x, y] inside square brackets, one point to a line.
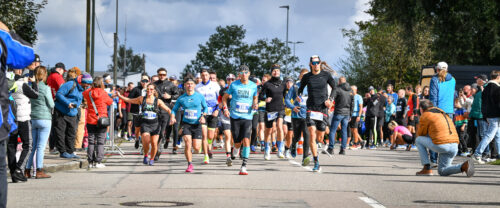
[447, 153]
[343, 120]
[40, 132]
[492, 132]
[3, 174]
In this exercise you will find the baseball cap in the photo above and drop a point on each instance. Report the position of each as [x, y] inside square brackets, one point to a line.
[230, 76]
[371, 88]
[442, 66]
[60, 65]
[37, 58]
[482, 77]
[173, 77]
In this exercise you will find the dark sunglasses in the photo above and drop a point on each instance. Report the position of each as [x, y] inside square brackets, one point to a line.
[162, 74]
[314, 63]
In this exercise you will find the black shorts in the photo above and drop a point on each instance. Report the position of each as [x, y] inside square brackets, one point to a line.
[193, 130]
[241, 128]
[225, 123]
[262, 116]
[151, 127]
[320, 124]
[137, 120]
[269, 123]
[211, 122]
[353, 123]
[407, 138]
[413, 122]
[288, 125]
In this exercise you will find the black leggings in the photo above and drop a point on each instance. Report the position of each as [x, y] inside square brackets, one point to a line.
[24, 132]
[299, 127]
[371, 124]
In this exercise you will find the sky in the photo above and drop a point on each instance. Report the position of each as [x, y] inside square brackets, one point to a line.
[168, 32]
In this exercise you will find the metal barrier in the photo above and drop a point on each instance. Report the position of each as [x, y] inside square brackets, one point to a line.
[110, 147]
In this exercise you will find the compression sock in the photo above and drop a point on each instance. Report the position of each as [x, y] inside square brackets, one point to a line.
[245, 152]
[278, 144]
[244, 164]
[316, 159]
[210, 141]
[266, 146]
[274, 144]
[262, 143]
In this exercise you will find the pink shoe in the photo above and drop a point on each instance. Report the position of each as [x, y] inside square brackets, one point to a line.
[189, 169]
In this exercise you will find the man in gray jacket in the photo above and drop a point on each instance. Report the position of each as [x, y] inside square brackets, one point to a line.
[343, 110]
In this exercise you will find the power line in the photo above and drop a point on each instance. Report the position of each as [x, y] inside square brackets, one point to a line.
[99, 27]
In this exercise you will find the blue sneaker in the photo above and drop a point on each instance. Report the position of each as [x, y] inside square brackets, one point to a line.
[373, 147]
[293, 152]
[151, 162]
[74, 156]
[145, 160]
[252, 148]
[65, 155]
[317, 167]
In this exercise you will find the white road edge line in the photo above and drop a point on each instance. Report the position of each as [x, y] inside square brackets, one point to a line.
[299, 165]
[371, 202]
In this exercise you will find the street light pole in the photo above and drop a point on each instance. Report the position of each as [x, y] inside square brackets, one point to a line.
[295, 43]
[115, 59]
[286, 43]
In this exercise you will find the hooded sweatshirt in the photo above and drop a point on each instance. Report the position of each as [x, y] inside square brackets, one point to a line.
[441, 94]
[343, 100]
[491, 100]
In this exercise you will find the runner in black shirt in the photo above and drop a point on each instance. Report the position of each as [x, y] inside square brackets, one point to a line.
[401, 108]
[274, 93]
[134, 108]
[372, 109]
[317, 103]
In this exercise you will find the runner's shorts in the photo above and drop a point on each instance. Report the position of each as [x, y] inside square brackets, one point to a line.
[151, 127]
[262, 116]
[241, 128]
[353, 123]
[225, 123]
[272, 117]
[320, 124]
[211, 122]
[193, 130]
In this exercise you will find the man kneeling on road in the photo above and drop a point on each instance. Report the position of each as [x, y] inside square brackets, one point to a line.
[437, 133]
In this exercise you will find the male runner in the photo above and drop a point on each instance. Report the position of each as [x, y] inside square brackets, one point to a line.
[226, 121]
[317, 103]
[243, 94]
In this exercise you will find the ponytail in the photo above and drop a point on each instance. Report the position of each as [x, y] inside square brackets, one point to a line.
[442, 75]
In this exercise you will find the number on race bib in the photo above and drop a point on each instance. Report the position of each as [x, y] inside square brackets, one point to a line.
[148, 115]
[288, 119]
[316, 115]
[272, 115]
[242, 107]
[191, 114]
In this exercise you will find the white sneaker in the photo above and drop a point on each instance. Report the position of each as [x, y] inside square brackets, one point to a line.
[287, 154]
[91, 165]
[280, 155]
[243, 170]
[100, 165]
[478, 159]
[490, 160]
[267, 155]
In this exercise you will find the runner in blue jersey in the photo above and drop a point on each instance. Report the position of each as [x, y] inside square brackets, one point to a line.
[195, 110]
[209, 90]
[244, 102]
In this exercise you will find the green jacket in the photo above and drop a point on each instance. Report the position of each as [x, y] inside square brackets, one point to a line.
[475, 110]
[41, 108]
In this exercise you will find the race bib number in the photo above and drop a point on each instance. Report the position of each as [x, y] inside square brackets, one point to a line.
[288, 119]
[191, 114]
[272, 115]
[150, 115]
[398, 108]
[318, 116]
[242, 107]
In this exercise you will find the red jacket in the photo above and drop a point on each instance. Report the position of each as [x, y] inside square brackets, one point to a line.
[101, 100]
[54, 81]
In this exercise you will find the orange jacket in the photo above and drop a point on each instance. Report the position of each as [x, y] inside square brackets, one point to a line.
[101, 100]
[436, 124]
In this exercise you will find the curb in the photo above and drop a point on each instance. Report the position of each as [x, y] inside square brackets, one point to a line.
[76, 164]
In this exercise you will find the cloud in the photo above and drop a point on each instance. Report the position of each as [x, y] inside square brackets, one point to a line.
[169, 32]
[361, 7]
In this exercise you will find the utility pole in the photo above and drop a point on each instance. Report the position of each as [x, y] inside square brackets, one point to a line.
[144, 63]
[93, 40]
[125, 49]
[116, 45]
[286, 43]
[87, 38]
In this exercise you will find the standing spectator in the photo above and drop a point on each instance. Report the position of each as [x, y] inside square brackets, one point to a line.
[20, 55]
[343, 110]
[438, 134]
[81, 119]
[401, 108]
[390, 112]
[491, 111]
[68, 99]
[477, 125]
[381, 117]
[97, 99]
[356, 117]
[372, 108]
[442, 88]
[22, 93]
[41, 121]
[390, 92]
[54, 81]
[425, 93]
[130, 117]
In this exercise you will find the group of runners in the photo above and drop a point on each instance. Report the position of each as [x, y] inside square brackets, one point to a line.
[240, 111]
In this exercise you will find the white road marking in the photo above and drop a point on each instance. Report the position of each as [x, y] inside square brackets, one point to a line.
[299, 165]
[371, 202]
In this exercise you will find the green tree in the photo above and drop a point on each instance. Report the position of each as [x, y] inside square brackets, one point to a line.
[21, 16]
[225, 50]
[133, 62]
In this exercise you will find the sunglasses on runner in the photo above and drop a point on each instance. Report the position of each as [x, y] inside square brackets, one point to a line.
[244, 72]
[314, 63]
[162, 75]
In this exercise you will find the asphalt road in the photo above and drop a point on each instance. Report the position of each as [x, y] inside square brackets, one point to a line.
[362, 178]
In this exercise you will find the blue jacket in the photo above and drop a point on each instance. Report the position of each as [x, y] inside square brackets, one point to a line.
[64, 98]
[19, 55]
[292, 95]
[441, 94]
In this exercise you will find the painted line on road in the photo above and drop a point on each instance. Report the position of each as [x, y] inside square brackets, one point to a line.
[371, 202]
[299, 165]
